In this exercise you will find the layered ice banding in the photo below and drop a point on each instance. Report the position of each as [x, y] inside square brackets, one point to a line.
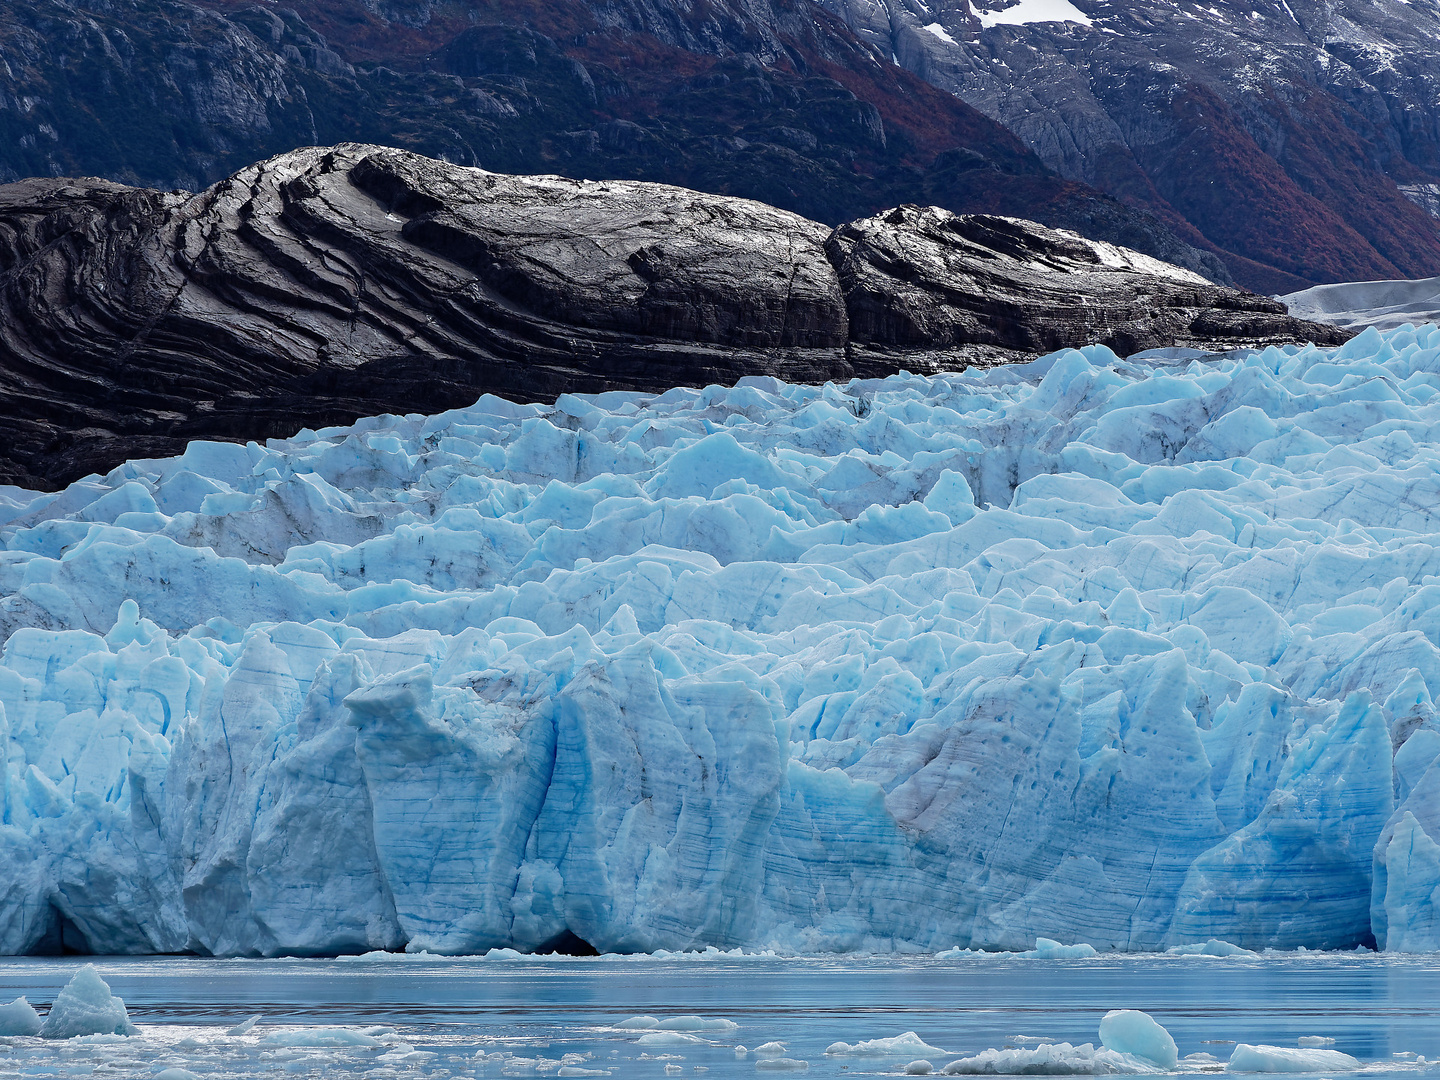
[1120, 653]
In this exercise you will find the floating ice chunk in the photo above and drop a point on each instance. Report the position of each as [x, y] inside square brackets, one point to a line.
[322, 1036]
[1213, 947]
[1269, 1059]
[781, 1064]
[895, 1046]
[770, 1049]
[674, 1070]
[18, 1018]
[1129, 1031]
[1200, 1062]
[670, 1038]
[577, 1070]
[638, 1023]
[1052, 1059]
[1314, 1041]
[405, 1054]
[1050, 949]
[243, 1028]
[86, 1007]
[175, 1073]
[919, 1068]
[694, 1023]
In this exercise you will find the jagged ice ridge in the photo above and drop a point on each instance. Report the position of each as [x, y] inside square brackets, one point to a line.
[1112, 652]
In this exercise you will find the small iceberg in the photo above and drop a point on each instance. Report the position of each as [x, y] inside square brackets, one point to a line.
[1050, 949]
[19, 1018]
[669, 1038]
[1272, 1059]
[1052, 1059]
[908, 1044]
[1133, 1043]
[1213, 947]
[86, 1007]
[1128, 1031]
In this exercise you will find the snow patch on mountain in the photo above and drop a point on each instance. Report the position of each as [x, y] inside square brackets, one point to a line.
[1025, 12]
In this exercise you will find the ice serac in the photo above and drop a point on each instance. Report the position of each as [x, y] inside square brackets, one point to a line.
[329, 283]
[1083, 655]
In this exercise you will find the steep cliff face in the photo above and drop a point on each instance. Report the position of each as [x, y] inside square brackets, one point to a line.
[1298, 138]
[767, 99]
[328, 284]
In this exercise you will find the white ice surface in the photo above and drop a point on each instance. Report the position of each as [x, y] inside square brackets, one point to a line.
[1078, 649]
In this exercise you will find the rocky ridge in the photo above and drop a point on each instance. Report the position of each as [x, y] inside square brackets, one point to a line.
[328, 284]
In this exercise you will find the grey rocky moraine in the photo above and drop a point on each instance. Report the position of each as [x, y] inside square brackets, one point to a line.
[331, 283]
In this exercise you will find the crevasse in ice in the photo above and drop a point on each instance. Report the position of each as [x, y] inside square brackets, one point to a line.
[1105, 652]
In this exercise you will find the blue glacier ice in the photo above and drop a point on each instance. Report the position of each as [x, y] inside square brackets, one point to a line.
[1134, 654]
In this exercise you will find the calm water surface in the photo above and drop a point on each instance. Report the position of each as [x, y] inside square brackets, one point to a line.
[420, 1018]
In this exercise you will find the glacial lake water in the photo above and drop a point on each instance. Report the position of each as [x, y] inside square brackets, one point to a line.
[427, 1017]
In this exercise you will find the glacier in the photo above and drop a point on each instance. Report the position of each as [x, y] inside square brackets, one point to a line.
[1140, 654]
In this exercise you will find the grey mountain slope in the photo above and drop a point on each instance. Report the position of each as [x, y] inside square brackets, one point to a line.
[1300, 137]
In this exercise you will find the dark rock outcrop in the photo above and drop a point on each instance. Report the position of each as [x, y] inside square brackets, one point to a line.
[328, 284]
[924, 278]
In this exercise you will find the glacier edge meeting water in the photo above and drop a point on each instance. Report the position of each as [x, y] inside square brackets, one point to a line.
[1135, 654]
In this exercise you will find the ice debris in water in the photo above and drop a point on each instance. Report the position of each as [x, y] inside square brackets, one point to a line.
[920, 1067]
[1133, 1043]
[1313, 1041]
[325, 1036]
[1267, 1059]
[1129, 1031]
[1083, 649]
[86, 1007]
[19, 1018]
[896, 1046]
[782, 1064]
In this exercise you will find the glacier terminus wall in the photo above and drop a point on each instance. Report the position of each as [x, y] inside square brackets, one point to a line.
[1131, 653]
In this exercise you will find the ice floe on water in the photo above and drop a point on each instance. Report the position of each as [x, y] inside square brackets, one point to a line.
[895, 1046]
[1084, 650]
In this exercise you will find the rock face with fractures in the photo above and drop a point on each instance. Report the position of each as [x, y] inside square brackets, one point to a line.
[327, 284]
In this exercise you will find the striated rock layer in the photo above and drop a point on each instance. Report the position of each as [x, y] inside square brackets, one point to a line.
[1079, 649]
[326, 284]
